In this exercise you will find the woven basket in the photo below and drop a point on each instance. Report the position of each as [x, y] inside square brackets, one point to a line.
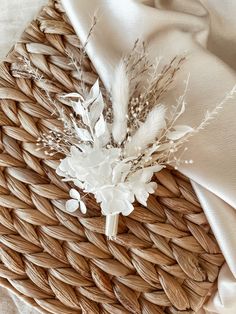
[165, 258]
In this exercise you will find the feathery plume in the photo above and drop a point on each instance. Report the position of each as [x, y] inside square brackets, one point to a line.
[120, 100]
[148, 131]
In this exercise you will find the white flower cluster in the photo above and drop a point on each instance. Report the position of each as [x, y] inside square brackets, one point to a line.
[96, 167]
[102, 172]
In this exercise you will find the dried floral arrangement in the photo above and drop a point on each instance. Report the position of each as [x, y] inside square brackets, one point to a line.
[114, 142]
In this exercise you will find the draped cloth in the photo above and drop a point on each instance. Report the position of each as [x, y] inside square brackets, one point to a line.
[199, 30]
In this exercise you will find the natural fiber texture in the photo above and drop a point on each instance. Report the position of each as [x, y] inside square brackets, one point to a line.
[165, 258]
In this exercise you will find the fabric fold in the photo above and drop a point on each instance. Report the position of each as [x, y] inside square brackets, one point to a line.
[222, 219]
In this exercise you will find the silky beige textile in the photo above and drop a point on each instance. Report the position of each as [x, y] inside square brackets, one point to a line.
[14, 16]
[196, 29]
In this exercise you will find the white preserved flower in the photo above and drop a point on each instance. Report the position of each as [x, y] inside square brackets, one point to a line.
[103, 173]
[75, 202]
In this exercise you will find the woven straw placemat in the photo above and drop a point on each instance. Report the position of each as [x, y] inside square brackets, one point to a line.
[165, 258]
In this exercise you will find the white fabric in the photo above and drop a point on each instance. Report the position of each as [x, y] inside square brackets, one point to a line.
[10, 304]
[14, 16]
[221, 217]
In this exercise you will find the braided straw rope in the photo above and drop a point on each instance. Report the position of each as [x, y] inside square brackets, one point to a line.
[165, 258]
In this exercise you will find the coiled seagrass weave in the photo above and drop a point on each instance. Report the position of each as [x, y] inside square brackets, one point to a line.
[165, 258]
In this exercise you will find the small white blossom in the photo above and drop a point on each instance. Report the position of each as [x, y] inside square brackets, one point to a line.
[75, 202]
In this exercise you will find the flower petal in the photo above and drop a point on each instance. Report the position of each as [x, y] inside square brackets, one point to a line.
[128, 209]
[83, 207]
[78, 183]
[151, 187]
[74, 194]
[142, 197]
[72, 205]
